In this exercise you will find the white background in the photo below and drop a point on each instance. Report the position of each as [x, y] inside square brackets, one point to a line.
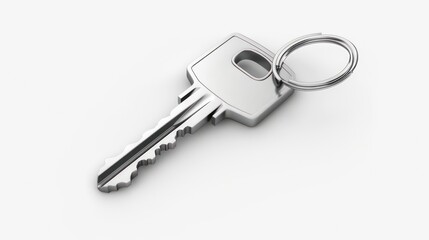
[79, 80]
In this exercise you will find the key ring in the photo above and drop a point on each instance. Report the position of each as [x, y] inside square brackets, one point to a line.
[282, 54]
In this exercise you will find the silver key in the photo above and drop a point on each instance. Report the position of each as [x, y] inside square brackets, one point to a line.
[222, 87]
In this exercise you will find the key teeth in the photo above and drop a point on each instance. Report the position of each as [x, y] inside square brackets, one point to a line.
[124, 179]
[110, 161]
[112, 188]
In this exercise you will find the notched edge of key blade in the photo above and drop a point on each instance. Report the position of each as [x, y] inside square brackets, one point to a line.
[201, 107]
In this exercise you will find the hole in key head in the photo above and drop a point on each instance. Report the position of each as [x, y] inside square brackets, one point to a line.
[253, 64]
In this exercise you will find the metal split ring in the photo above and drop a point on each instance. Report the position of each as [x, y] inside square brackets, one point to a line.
[282, 54]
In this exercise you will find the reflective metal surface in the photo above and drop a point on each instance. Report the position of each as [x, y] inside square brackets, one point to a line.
[219, 90]
[222, 87]
[192, 113]
[247, 99]
[281, 55]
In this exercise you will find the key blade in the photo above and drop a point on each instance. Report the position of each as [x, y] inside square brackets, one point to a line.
[192, 113]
